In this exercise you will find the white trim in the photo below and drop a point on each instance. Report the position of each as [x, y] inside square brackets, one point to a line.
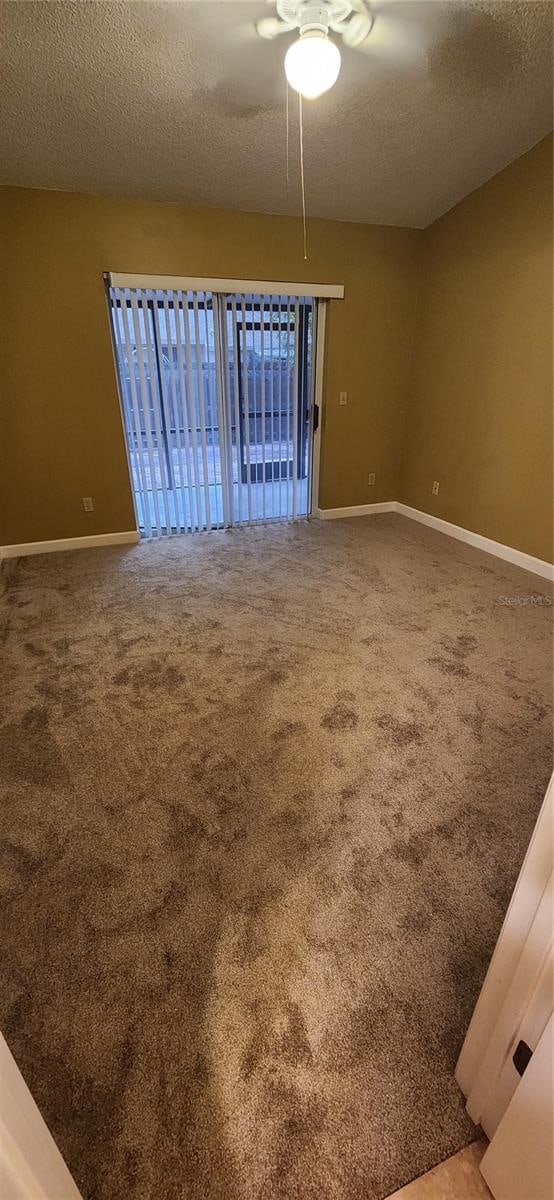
[258, 287]
[519, 1160]
[355, 510]
[30, 1163]
[527, 562]
[518, 557]
[120, 398]
[74, 543]
[321, 316]
[473, 1069]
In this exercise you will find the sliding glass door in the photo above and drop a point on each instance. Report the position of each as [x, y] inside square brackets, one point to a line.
[216, 394]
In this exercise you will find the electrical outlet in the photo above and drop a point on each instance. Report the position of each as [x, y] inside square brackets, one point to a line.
[343, 397]
[88, 503]
[371, 478]
[435, 488]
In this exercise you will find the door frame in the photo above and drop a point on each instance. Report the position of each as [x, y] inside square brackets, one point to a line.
[30, 1163]
[518, 1162]
[318, 362]
[509, 984]
[320, 294]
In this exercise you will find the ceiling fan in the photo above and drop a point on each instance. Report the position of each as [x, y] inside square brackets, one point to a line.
[312, 63]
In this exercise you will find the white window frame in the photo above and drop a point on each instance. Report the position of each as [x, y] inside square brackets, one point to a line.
[270, 287]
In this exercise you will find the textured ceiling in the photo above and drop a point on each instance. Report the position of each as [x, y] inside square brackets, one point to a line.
[182, 101]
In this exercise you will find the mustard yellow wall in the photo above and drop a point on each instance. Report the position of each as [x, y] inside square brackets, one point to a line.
[479, 412]
[61, 425]
[471, 407]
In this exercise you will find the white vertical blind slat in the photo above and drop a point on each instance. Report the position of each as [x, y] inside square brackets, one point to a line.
[156, 527]
[279, 405]
[155, 388]
[297, 354]
[189, 497]
[179, 491]
[135, 448]
[222, 381]
[210, 391]
[136, 465]
[310, 399]
[246, 409]
[202, 410]
[191, 407]
[253, 409]
[236, 397]
[167, 423]
[271, 397]
[262, 390]
[289, 320]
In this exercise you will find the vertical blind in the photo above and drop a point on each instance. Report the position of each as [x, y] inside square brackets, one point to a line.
[216, 393]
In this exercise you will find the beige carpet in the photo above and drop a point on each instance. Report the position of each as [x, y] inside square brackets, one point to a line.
[267, 793]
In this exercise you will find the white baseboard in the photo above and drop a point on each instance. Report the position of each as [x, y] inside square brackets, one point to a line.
[519, 558]
[75, 543]
[356, 510]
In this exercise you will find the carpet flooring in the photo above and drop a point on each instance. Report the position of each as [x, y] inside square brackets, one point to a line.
[266, 795]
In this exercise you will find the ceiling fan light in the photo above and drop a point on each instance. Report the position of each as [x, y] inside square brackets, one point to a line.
[312, 64]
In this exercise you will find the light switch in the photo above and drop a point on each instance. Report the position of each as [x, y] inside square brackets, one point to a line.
[343, 397]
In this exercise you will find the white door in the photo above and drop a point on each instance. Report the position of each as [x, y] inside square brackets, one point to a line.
[519, 1161]
[31, 1166]
[505, 1067]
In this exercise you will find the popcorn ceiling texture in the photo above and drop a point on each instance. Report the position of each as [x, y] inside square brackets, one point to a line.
[182, 101]
[267, 795]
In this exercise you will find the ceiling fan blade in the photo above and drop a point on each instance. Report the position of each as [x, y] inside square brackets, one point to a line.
[395, 37]
[358, 29]
[271, 27]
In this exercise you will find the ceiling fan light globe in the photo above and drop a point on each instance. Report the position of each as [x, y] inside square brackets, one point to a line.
[312, 64]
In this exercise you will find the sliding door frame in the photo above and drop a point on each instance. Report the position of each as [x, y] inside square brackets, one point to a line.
[318, 395]
[320, 295]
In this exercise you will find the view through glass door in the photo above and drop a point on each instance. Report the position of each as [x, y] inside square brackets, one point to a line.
[216, 394]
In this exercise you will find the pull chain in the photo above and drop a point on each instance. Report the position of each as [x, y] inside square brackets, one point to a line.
[304, 233]
[287, 134]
